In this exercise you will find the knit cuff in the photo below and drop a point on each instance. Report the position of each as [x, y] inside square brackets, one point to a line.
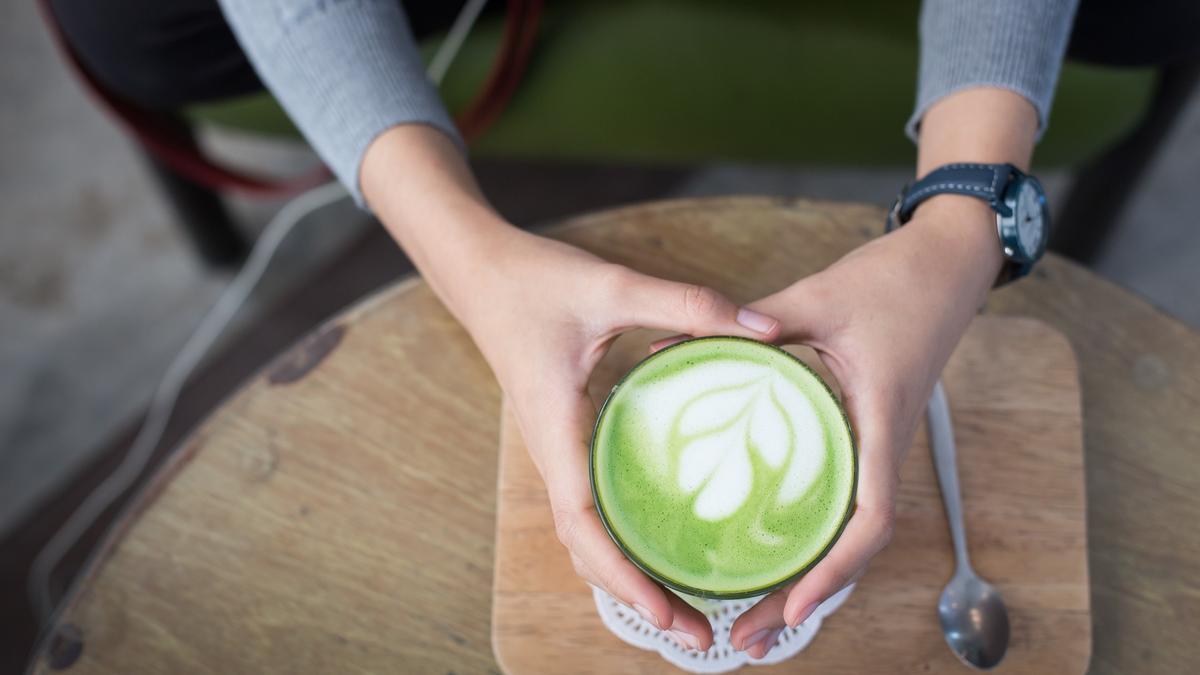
[345, 71]
[1011, 44]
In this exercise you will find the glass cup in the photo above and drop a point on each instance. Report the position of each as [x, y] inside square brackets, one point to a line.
[708, 600]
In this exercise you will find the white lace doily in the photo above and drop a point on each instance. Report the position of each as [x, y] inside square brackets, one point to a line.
[721, 657]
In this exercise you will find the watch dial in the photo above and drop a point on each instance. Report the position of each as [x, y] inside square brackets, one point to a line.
[1030, 225]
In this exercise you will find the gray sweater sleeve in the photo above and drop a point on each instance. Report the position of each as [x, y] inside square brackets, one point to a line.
[1012, 44]
[344, 70]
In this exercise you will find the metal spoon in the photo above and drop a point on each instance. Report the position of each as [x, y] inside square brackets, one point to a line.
[973, 616]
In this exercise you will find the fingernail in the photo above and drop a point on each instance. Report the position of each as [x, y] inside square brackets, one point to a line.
[688, 639]
[646, 615]
[754, 321]
[771, 640]
[804, 614]
[754, 639]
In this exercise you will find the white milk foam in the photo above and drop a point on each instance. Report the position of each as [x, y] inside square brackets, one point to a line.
[725, 410]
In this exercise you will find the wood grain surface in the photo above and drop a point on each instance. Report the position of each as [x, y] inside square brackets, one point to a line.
[341, 518]
[1014, 397]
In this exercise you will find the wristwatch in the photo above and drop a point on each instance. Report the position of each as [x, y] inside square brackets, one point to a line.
[1022, 217]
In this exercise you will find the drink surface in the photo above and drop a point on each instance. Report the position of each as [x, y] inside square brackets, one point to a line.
[723, 466]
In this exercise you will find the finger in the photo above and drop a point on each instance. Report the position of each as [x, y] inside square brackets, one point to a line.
[690, 626]
[801, 322]
[667, 342]
[804, 312]
[757, 630]
[576, 522]
[862, 539]
[688, 308]
[599, 561]
[759, 621]
[870, 528]
[759, 649]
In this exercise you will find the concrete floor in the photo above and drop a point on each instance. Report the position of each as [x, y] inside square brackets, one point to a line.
[98, 287]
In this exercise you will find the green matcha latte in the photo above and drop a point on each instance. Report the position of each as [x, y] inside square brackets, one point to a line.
[723, 467]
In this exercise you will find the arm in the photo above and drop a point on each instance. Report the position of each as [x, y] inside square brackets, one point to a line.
[885, 320]
[543, 313]
[886, 317]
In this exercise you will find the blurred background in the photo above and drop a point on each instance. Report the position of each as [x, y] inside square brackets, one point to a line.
[107, 264]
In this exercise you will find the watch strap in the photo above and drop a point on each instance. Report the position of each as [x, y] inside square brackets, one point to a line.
[985, 181]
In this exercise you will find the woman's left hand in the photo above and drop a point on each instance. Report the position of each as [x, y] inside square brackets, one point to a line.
[884, 320]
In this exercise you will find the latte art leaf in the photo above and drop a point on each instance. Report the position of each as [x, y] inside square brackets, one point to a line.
[769, 433]
[718, 431]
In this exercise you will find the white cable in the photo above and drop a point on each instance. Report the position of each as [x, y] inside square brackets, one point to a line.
[454, 40]
[209, 330]
[163, 402]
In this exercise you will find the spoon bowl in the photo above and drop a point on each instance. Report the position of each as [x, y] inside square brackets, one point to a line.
[974, 620]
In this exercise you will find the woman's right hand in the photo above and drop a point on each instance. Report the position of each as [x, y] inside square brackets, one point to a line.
[543, 313]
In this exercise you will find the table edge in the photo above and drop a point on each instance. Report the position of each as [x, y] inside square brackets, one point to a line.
[181, 455]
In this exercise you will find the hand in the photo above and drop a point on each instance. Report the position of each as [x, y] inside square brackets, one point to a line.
[543, 314]
[884, 320]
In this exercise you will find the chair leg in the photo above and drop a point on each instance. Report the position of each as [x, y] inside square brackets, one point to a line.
[201, 212]
[1102, 187]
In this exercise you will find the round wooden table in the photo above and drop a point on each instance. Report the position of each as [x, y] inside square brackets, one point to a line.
[337, 513]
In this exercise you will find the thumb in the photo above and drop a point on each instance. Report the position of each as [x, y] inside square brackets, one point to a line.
[692, 309]
[805, 314]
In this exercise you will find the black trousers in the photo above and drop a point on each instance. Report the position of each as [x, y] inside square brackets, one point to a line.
[164, 54]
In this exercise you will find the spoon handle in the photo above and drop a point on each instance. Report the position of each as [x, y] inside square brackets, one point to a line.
[941, 444]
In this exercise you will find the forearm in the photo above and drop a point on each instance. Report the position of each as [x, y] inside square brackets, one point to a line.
[985, 86]
[418, 183]
[987, 125]
[977, 125]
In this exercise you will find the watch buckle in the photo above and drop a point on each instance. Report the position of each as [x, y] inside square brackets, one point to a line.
[893, 216]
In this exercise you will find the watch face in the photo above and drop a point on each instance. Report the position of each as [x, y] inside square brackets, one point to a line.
[1031, 219]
